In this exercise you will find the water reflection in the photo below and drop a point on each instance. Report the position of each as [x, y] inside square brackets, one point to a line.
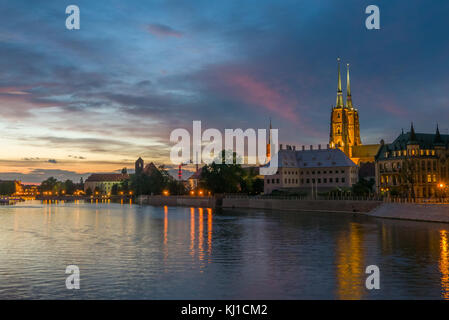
[141, 252]
[350, 263]
[444, 264]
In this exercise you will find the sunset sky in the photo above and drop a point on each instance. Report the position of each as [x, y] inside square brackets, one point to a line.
[95, 99]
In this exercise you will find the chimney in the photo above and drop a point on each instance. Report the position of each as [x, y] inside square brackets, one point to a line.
[311, 147]
[319, 147]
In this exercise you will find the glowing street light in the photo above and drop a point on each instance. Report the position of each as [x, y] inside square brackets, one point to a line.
[165, 193]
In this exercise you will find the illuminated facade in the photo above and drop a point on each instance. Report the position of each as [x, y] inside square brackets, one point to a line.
[315, 169]
[415, 165]
[345, 126]
[103, 182]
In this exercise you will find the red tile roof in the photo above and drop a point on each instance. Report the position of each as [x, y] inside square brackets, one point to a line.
[98, 177]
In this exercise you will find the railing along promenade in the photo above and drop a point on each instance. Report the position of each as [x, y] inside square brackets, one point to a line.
[342, 197]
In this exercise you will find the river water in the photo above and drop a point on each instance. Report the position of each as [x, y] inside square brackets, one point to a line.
[127, 251]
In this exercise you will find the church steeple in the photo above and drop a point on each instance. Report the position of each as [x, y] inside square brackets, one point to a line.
[412, 138]
[348, 90]
[438, 139]
[339, 103]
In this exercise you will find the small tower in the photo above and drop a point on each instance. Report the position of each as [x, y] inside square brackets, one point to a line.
[139, 166]
[268, 153]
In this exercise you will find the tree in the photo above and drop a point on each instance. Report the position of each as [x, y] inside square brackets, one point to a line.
[124, 171]
[89, 192]
[258, 186]
[49, 185]
[363, 187]
[408, 176]
[115, 189]
[7, 188]
[69, 187]
[224, 175]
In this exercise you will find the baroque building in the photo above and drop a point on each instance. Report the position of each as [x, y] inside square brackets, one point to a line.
[345, 126]
[415, 165]
[311, 171]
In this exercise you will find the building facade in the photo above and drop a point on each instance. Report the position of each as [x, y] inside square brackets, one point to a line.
[415, 165]
[103, 182]
[314, 169]
[345, 126]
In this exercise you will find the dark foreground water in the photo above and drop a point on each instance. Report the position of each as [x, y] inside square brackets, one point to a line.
[140, 252]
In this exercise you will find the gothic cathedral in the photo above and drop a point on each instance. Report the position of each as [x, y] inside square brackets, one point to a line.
[345, 128]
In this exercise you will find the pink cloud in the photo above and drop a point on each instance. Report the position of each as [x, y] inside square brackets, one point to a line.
[261, 94]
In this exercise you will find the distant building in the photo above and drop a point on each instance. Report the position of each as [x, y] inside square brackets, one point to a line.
[415, 164]
[139, 166]
[104, 182]
[317, 169]
[194, 179]
[345, 127]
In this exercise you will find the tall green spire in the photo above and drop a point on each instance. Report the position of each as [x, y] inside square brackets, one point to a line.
[339, 103]
[348, 90]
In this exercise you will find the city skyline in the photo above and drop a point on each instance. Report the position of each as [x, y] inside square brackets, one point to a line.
[95, 99]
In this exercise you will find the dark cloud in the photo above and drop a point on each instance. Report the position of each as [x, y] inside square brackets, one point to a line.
[39, 175]
[161, 30]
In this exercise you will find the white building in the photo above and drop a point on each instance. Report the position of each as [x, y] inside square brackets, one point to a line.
[104, 182]
[304, 170]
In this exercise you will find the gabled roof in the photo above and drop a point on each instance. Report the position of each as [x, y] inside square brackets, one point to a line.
[313, 158]
[107, 177]
[425, 141]
[150, 168]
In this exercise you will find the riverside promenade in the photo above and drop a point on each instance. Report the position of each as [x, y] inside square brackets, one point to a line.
[245, 202]
[434, 212]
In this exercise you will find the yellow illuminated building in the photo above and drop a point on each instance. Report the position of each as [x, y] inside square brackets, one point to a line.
[345, 127]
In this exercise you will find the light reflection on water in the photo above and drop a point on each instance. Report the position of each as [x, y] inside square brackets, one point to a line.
[127, 251]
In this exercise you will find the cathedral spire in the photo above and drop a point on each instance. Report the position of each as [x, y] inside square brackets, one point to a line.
[348, 90]
[339, 103]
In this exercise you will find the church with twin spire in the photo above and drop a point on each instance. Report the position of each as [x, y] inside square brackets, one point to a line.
[345, 126]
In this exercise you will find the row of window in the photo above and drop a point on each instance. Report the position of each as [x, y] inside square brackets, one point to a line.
[430, 165]
[411, 152]
[295, 181]
[430, 178]
[295, 172]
